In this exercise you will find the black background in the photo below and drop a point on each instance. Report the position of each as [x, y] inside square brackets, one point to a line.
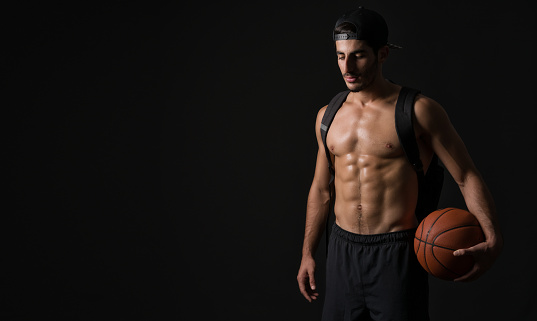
[159, 156]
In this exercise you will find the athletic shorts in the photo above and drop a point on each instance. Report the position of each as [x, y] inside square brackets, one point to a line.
[374, 277]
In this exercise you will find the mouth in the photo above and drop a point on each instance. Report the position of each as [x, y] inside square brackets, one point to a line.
[351, 78]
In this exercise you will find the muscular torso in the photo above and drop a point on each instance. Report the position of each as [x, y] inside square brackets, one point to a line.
[376, 187]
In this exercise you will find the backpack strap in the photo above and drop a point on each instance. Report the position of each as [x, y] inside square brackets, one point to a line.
[404, 110]
[328, 117]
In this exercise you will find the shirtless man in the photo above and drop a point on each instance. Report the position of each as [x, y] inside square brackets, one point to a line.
[372, 272]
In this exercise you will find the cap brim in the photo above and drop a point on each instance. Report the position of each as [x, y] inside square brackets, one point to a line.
[393, 46]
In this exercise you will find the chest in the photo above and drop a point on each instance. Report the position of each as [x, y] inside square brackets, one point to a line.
[365, 131]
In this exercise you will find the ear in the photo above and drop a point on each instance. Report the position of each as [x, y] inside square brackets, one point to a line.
[383, 54]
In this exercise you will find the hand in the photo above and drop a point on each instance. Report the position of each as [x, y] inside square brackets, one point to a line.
[484, 256]
[306, 279]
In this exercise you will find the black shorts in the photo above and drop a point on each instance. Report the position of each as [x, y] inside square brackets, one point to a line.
[374, 277]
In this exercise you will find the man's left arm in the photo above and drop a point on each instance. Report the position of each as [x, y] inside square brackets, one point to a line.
[447, 144]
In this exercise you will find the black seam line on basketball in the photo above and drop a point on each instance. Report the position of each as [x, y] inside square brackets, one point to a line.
[421, 235]
[445, 267]
[432, 244]
[447, 248]
[427, 237]
[443, 247]
[419, 243]
[453, 228]
[432, 250]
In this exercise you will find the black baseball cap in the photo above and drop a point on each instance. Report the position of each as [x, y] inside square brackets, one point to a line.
[370, 26]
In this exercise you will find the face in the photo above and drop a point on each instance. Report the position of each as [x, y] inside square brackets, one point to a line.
[358, 63]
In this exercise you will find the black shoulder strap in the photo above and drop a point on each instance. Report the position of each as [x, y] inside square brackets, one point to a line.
[404, 109]
[329, 114]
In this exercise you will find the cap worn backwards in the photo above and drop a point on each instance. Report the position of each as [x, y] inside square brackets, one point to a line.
[370, 26]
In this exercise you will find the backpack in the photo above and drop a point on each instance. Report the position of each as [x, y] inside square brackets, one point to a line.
[430, 183]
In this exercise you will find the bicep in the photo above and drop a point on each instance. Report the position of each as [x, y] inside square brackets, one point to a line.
[445, 141]
[322, 174]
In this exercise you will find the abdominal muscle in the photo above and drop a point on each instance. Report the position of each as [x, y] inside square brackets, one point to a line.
[375, 194]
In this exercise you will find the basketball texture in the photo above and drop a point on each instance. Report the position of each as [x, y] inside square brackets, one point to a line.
[440, 234]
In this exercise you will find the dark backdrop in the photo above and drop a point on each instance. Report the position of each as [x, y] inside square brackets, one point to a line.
[158, 156]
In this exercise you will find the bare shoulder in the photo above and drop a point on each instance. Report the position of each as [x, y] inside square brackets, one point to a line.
[430, 115]
[318, 121]
[320, 115]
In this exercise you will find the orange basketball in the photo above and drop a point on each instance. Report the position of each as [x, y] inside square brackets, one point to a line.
[440, 234]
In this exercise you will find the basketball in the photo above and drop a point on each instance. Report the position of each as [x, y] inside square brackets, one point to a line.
[440, 234]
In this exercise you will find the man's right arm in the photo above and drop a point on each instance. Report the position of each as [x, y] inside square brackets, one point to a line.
[317, 210]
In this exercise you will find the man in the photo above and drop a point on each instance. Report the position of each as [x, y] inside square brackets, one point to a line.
[372, 272]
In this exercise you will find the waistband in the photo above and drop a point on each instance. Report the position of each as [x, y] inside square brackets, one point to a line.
[391, 237]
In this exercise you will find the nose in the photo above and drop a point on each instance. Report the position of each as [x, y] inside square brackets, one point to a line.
[348, 65]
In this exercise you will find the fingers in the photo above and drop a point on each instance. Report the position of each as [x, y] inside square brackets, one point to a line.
[469, 251]
[308, 293]
[312, 282]
[313, 293]
[474, 274]
[483, 258]
[477, 269]
[303, 288]
[306, 279]
[306, 284]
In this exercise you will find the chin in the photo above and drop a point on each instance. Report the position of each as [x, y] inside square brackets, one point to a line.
[355, 87]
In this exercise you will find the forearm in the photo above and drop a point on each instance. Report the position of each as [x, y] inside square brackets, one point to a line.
[480, 203]
[317, 211]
